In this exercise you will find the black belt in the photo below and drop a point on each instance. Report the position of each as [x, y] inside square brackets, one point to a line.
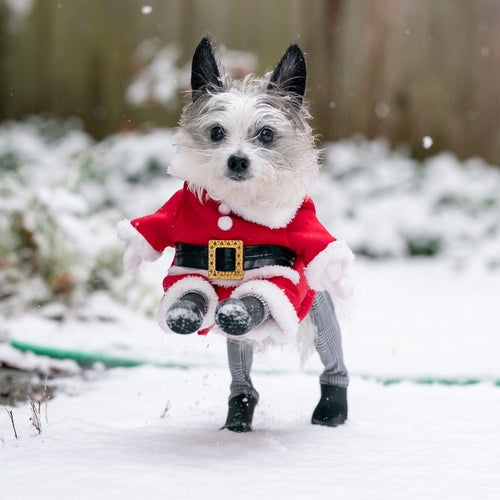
[228, 259]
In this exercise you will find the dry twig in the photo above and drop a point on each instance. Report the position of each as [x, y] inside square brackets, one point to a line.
[11, 416]
[36, 418]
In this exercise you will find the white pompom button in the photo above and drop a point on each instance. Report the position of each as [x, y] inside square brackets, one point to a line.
[225, 223]
[224, 209]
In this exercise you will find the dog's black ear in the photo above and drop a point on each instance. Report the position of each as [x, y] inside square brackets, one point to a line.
[204, 71]
[289, 75]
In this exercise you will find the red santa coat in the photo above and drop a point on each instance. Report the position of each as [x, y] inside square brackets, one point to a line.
[289, 292]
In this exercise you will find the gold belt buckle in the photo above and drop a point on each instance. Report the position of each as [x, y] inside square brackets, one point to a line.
[238, 273]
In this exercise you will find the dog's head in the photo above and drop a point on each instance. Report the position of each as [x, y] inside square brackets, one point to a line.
[247, 142]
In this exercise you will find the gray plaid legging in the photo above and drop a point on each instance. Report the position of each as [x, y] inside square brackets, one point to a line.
[328, 343]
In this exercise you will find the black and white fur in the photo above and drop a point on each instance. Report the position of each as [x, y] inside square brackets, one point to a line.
[248, 141]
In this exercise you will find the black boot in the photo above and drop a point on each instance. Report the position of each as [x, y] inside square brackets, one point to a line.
[240, 413]
[239, 316]
[332, 407]
[186, 315]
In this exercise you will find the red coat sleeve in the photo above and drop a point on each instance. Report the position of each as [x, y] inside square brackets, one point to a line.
[327, 259]
[307, 236]
[157, 228]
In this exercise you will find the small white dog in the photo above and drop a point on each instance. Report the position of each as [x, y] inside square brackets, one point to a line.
[250, 253]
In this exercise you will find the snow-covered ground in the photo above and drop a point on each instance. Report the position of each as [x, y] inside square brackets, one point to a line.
[111, 442]
[153, 431]
[109, 436]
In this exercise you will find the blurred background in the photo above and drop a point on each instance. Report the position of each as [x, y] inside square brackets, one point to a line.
[400, 69]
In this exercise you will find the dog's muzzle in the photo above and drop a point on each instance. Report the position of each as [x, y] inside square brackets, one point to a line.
[238, 167]
[229, 259]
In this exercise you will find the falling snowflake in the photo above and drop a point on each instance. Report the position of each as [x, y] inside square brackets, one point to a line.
[427, 142]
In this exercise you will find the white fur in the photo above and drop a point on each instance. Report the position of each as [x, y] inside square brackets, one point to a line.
[137, 247]
[280, 173]
[306, 339]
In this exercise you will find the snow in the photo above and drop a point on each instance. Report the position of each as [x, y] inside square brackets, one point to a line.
[150, 85]
[416, 441]
[424, 320]
[153, 430]
[430, 441]
[13, 358]
[427, 142]
[385, 204]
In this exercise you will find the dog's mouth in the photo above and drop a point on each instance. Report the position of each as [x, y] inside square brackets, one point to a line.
[242, 177]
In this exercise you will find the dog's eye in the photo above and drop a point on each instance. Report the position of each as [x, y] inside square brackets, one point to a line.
[266, 135]
[217, 134]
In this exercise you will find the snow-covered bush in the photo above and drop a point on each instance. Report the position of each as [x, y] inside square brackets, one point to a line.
[160, 79]
[151, 84]
[388, 205]
[61, 196]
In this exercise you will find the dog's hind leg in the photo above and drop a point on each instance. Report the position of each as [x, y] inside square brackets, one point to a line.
[332, 407]
[243, 397]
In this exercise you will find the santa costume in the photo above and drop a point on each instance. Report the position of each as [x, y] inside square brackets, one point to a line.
[222, 251]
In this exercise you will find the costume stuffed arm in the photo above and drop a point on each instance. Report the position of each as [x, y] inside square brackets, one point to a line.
[327, 259]
[145, 238]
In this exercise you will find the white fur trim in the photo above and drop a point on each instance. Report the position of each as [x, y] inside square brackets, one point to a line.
[276, 218]
[137, 247]
[330, 270]
[283, 325]
[180, 288]
[265, 272]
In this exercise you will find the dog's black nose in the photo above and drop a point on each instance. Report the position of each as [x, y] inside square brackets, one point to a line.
[238, 164]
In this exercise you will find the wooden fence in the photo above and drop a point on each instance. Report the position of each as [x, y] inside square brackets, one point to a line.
[403, 69]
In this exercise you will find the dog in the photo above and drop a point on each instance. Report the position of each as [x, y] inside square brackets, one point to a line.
[251, 257]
